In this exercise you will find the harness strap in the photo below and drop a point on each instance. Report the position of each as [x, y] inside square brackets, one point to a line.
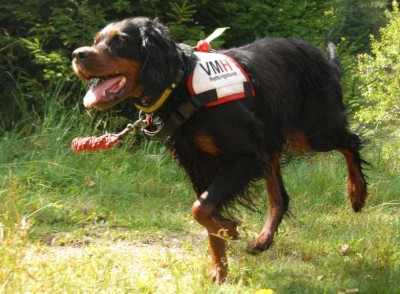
[177, 118]
[185, 111]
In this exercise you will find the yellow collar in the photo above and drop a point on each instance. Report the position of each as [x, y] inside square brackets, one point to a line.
[164, 96]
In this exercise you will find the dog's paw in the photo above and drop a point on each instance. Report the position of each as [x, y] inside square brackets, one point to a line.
[219, 274]
[258, 245]
[358, 195]
[229, 228]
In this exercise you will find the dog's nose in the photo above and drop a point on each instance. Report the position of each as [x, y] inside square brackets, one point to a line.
[81, 53]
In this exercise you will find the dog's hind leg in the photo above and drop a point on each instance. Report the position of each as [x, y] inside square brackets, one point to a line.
[356, 183]
[278, 205]
[349, 145]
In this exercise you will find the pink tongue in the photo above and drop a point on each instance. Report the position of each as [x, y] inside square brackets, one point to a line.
[99, 93]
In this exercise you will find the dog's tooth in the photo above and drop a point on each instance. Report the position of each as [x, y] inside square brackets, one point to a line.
[104, 93]
[122, 82]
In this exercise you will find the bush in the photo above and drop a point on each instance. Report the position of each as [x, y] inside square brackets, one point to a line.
[379, 74]
[37, 37]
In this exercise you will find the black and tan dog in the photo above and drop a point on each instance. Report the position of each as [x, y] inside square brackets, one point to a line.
[289, 100]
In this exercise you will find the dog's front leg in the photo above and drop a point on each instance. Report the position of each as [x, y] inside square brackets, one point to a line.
[232, 181]
[202, 213]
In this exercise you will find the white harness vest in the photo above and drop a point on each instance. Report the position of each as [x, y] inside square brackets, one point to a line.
[220, 75]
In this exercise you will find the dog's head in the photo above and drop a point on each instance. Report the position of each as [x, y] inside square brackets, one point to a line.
[130, 58]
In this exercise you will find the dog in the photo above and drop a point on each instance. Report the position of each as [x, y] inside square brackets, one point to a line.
[286, 98]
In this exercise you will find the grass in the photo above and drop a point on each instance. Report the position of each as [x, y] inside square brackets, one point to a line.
[120, 221]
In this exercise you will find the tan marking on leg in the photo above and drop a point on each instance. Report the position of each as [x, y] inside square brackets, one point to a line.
[356, 185]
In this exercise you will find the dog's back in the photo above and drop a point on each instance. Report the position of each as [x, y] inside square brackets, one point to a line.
[297, 88]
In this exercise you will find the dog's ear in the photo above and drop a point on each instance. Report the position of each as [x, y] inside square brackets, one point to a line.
[162, 58]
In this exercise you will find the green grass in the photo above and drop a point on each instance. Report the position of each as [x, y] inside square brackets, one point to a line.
[120, 221]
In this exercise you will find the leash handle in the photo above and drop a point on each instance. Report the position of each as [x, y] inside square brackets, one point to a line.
[105, 142]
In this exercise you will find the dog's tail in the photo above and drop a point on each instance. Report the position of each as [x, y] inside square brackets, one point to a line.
[333, 56]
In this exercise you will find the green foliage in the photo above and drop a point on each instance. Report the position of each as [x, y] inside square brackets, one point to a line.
[249, 20]
[359, 19]
[182, 25]
[379, 74]
[53, 63]
[182, 13]
[36, 42]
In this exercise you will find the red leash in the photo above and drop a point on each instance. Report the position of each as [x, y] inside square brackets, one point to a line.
[106, 141]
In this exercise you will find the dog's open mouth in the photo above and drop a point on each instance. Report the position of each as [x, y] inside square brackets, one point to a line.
[104, 90]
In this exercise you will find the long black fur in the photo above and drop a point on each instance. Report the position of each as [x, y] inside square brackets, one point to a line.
[298, 92]
[224, 149]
